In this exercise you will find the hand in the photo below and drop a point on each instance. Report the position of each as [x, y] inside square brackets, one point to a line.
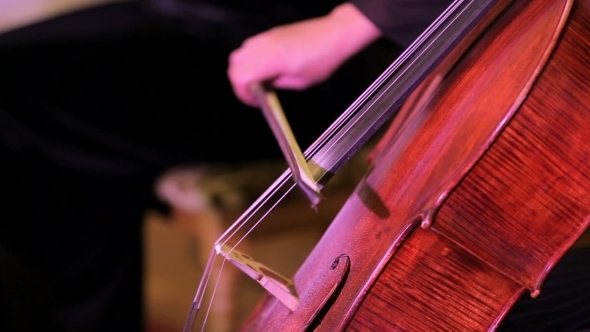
[301, 54]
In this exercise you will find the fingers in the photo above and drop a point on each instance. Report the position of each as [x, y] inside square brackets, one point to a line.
[293, 56]
[274, 57]
[240, 74]
[255, 61]
[300, 54]
[244, 71]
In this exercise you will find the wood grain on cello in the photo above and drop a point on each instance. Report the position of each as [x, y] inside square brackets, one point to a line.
[495, 168]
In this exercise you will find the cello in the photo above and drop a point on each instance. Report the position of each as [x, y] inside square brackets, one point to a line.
[478, 188]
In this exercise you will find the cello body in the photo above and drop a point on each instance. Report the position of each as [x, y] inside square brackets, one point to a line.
[480, 186]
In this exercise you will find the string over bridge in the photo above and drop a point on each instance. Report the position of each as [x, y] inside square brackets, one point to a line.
[276, 284]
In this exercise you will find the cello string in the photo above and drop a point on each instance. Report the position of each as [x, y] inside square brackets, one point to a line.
[246, 216]
[254, 208]
[263, 217]
[353, 109]
[210, 305]
[322, 141]
[189, 325]
[394, 67]
[243, 220]
[195, 306]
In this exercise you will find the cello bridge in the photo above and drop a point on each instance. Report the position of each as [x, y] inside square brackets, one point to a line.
[276, 284]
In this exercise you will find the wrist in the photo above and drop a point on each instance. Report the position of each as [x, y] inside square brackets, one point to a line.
[356, 30]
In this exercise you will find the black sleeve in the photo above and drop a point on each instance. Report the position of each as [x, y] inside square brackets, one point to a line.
[402, 21]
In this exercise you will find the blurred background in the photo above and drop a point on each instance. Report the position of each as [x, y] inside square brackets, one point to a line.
[91, 74]
[177, 245]
[170, 79]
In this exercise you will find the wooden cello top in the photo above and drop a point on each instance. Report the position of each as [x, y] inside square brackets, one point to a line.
[494, 166]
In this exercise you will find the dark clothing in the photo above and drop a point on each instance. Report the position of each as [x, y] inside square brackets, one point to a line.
[84, 115]
[232, 21]
[402, 21]
[91, 109]
[70, 247]
[108, 99]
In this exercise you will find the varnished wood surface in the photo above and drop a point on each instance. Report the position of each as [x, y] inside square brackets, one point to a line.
[535, 180]
[518, 210]
[484, 165]
[434, 285]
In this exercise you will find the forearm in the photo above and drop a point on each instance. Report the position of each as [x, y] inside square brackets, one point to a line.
[402, 21]
[298, 55]
[351, 30]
